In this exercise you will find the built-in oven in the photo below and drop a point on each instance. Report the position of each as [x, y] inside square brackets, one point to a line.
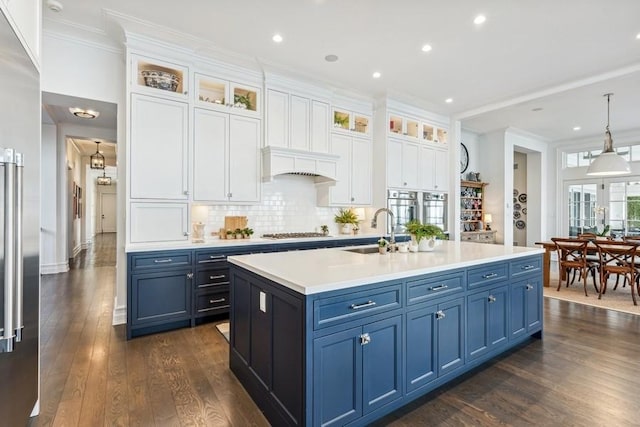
[435, 210]
[404, 205]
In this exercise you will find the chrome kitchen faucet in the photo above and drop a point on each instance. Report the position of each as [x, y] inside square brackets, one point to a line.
[374, 224]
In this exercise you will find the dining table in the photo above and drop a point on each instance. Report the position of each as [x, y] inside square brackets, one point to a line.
[549, 246]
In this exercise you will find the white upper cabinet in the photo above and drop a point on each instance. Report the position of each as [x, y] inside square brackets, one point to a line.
[226, 95]
[345, 120]
[158, 77]
[226, 157]
[158, 145]
[414, 129]
[296, 121]
[434, 169]
[402, 158]
[159, 222]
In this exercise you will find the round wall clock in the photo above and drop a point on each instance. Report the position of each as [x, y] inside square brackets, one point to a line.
[464, 158]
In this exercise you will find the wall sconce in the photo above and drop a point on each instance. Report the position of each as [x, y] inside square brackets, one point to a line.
[97, 159]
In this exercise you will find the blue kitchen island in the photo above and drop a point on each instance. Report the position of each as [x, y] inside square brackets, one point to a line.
[334, 337]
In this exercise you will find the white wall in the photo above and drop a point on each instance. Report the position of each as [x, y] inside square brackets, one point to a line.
[472, 142]
[86, 70]
[520, 184]
[50, 261]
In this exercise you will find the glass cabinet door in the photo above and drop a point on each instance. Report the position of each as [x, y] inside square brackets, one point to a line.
[413, 127]
[396, 125]
[361, 123]
[159, 77]
[211, 91]
[341, 119]
[245, 97]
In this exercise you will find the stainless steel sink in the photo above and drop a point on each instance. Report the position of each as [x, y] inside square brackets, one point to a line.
[365, 250]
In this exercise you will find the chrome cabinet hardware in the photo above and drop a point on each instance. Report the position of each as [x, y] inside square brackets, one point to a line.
[365, 339]
[363, 305]
[491, 299]
[440, 314]
[527, 267]
[529, 287]
[210, 285]
[213, 301]
[162, 261]
[490, 276]
[186, 234]
[186, 192]
[439, 287]
[189, 275]
[220, 276]
[214, 258]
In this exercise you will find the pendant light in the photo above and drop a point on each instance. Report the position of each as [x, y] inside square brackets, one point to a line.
[97, 159]
[608, 163]
[104, 179]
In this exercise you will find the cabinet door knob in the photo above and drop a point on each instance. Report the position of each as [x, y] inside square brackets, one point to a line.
[189, 275]
[405, 183]
[185, 192]
[529, 287]
[492, 299]
[353, 199]
[365, 339]
[186, 234]
[440, 314]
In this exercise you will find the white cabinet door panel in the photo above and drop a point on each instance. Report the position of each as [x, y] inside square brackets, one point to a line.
[299, 120]
[410, 165]
[277, 118]
[159, 222]
[427, 159]
[341, 191]
[211, 132]
[159, 148]
[441, 177]
[244, 159]
[361, 171]
[320, 115]
[394, 163]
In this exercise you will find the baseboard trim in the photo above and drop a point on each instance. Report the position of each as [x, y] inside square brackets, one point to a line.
[119, 314]
[61, 267]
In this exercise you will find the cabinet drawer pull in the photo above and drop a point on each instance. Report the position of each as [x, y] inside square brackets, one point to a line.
[365, 339]
[363, 305]
[529, 287]
[214, 258]
[203, 310]
[439, 287]
[440, 314]
[213, 301]
[162, 261]
[210, 285]
[527, 267]
[220, 276]
[491, 299]
[490, 276]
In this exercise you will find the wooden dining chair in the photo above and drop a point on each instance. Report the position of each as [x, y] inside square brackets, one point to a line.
[572, 257]
[618, 258]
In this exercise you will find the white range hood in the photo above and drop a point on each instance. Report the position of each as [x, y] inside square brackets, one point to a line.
[286, 161]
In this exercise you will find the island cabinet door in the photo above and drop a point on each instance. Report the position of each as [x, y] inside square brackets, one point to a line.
[421, 343]
[525, 307]
[486, 321]
[450, 325]
[337, 378]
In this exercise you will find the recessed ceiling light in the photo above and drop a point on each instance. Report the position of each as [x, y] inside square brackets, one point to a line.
[277, 38]
[577, 128]
[331, 58]
[479, 19]
[54, 6]
[448, 100]
[426, 48]
[376, 75]
[84, 114]
[537, 109]
[638, 36]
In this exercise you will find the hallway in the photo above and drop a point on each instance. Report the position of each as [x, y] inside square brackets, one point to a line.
[583, 372]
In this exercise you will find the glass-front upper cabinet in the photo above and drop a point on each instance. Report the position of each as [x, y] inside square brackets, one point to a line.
[349, 121]
[158, 77]
[226, 95]
[399, 125]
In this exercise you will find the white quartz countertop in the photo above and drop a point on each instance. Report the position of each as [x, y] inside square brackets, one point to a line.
[225, 243]
[321, 270]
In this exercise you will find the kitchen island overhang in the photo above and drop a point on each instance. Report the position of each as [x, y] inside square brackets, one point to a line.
[332, 337]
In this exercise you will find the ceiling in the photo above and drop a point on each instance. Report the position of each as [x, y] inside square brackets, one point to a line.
[84, 132]
[558, 56]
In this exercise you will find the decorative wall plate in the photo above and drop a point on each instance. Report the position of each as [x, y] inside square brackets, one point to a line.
[515, 192]
[522, 198]
[524, 211]
[517, 207]
[520, 224]
[516, 214]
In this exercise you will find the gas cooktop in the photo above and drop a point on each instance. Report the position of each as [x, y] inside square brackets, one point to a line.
[292, 235]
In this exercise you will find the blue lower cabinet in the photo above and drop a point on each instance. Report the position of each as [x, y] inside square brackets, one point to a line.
[160, 297]
[357, 371]
[525, 307]
[487, 320]
[450, 325]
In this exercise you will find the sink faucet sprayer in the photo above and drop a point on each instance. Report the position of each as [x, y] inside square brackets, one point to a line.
[374, 224]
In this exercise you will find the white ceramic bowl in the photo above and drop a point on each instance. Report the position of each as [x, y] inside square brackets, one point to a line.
[161, 80]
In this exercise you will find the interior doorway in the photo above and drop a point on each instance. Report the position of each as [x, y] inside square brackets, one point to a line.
[107, 213]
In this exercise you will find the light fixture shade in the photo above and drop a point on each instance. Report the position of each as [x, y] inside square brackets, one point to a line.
[96, 161]
[359, 213]
[609, 164]
[104, 180]
[487, 218]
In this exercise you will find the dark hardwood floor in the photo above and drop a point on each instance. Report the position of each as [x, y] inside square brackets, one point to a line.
[583, 372]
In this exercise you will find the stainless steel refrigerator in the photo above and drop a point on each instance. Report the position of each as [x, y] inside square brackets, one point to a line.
[20, 124]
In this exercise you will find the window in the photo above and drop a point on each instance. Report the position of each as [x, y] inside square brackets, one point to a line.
[584, 158]
[582, 209]
[624, 208]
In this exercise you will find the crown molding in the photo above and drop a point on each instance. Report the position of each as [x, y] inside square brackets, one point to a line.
[52, 34]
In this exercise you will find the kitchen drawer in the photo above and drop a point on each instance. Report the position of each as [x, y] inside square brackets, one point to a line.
[210, 257]
[158, 260]
[431, 287]
[526, 266]
[344, 308]
[468, 237]
[212, 277]
[487, 275]
[212, 302]
[487, 237]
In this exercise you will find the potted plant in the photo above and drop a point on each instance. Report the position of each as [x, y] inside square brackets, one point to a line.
[247, 232]
[345, 218]
[238, 233]
[230, 234]
[423, 235]
[324, 229]
[383, 246]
